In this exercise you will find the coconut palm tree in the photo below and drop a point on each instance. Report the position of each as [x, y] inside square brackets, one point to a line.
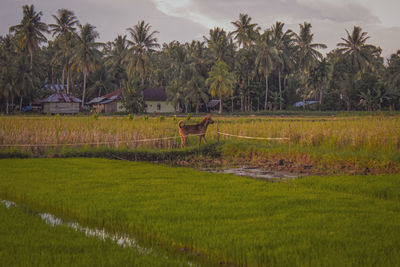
[115, 55]
[266, 55]
[307, 55]
[393, 76]
[143, 42]
[85, 53]
[319, 79]
[64, 30]
[220, 46]
[354, 46]
[30, 31]
[65, 24]
[284, 44]
[246, 32]
[220, 81]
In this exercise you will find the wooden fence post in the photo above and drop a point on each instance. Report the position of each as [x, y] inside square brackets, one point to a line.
[290, 139]
[217, 132]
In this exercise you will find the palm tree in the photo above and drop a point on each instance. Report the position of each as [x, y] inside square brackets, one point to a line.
[30, 31]
[175, 94]
[245, 32]
[220, 81]
[143, 42]
[355, 47]
[85, 53]
[64, 30]
[266, 55]
[220, 46]
[307, 55]
[115, 56]
[319, 78]
[7, 71]
[65, 24]
[284, 44]
[393, 76]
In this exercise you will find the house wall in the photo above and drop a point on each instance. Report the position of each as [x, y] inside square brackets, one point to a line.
[110, 107]
[64, 108]
[120, 107]
[99, 108]
[159, 107]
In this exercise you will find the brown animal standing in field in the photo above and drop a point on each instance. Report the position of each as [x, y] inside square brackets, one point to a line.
[197, 129]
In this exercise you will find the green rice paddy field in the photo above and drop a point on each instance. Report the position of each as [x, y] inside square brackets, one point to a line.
[27, 241]
[210, 219]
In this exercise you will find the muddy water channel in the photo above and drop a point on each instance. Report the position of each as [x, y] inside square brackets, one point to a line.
[253, 172]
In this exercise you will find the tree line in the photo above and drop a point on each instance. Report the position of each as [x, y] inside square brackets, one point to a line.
[248, 69]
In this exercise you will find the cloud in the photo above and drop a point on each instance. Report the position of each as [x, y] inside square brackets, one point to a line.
[186, 9]
[339, 11]
[185, 20]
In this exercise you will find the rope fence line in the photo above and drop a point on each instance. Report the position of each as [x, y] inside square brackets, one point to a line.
[255, 138]
[143, 140]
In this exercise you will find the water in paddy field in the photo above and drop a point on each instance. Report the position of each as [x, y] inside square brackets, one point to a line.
[120, 239]
[253, 172]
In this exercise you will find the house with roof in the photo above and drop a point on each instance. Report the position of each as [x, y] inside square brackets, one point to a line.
[109, 103]
[155, 100]
[213, 105]
[61, 103]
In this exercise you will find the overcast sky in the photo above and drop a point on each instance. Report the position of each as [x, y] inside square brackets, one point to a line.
[186, 20]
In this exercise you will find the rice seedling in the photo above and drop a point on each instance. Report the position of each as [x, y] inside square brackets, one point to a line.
[318, 221]
[27, 241]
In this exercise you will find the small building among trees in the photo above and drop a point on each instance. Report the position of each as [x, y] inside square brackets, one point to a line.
[61, 103]
[109, 103]
[213, 105]
[155, 100]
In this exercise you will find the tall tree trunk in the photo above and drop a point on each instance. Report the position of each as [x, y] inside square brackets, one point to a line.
[280, 89]
[197, 106]
[266, 91]
[241, 103]
[68, 71]
[220, 104]
[52, 75]
[258, 103]
[232, 103]
[320, 98]
[20, 103]
[31, 54]
[63, 77]
[7, 104]
[84, 89]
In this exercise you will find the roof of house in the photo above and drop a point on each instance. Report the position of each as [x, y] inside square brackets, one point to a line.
[56, 87]
[61, 98]
[154, 94]
[305, 103]
[116, 95]
[213, 103]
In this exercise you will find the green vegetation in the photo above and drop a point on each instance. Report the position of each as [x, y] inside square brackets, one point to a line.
[27, 241]
[356, 142]
[318, 221]
[263, 67]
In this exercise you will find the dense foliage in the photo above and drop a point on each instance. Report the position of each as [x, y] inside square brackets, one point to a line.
[263, 69]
